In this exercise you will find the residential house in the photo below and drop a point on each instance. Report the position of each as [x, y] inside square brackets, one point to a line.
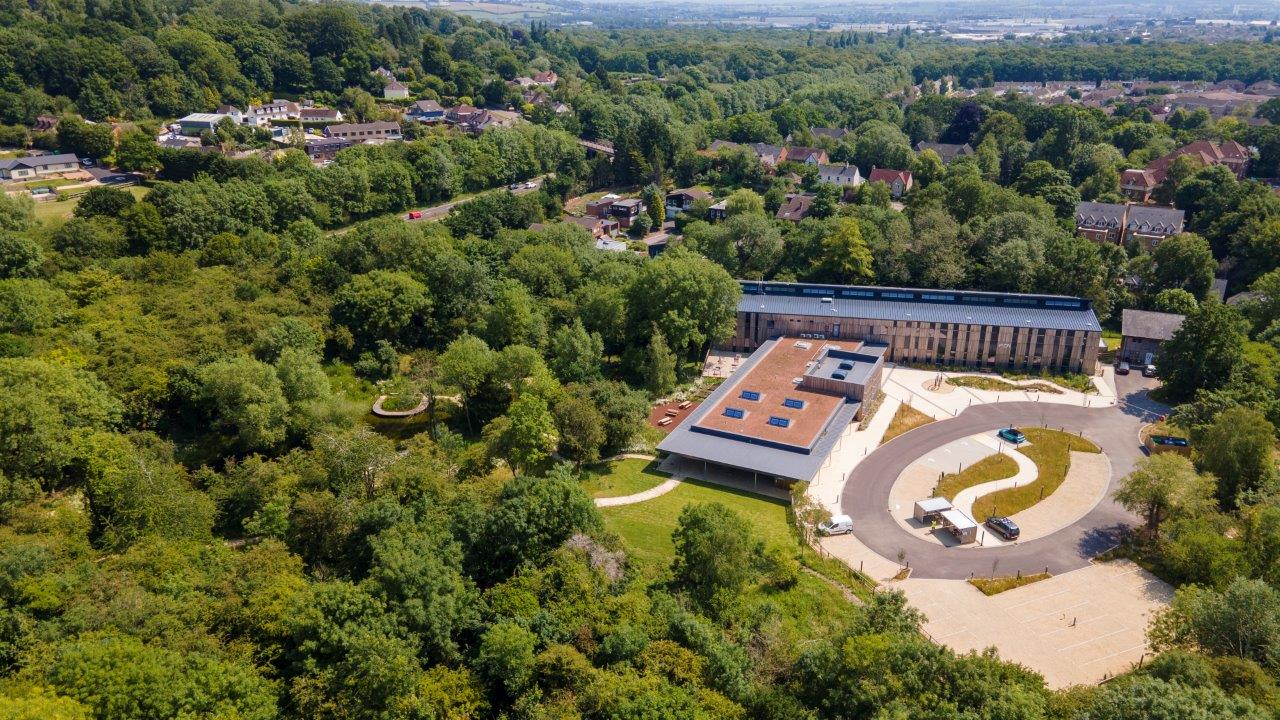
[1117, 224]
[546, 79]
[1101, 222]
[523, 82]
[1218, 102]
[1138, 184]
[325, 148]
[196, 123]
[361, 132]
[259, 115]
[179, 142]
[1149, 224]
[946, 151]
[320, 115]
[1142, 332]
[467, 117]
[395, 90]
[600, 206]
[384, 73]
[843, 175]
[599, 227]
[836, 134]
[718, 212]
[426, 111]
[1230, 153]
[680, 200]
[718, 145]
[626, 211]
[796, 208]
[769, 155]
[899, 181]
[610, 245]
[26, 168]
[806, 155]
[232, 112]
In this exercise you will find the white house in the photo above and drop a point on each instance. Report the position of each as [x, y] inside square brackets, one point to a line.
[25, 168]
[840, 174]
[395, 90]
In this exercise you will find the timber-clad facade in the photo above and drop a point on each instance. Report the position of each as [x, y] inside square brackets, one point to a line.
[935, 327]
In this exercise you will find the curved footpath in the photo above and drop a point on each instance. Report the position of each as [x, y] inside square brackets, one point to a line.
[1114, 429]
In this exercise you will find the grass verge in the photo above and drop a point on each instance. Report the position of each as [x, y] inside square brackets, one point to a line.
[988, 469]
[1051, 452]
[622, 477]
[995, 384]
[906, 418]
[995, 586]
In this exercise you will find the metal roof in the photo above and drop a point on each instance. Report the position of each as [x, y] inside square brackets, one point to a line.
[912, 304]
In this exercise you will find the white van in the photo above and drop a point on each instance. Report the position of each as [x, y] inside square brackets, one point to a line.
[837, 525]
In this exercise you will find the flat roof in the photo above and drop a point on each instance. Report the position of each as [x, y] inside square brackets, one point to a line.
[958, 520]
[961, 307]
[771, 381]
[760, 453]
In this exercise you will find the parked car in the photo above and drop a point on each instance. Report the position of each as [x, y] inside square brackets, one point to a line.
[1012, 435]
[531, 185]
[1004, 527]
[415, 215]
[513, 186]
[837, 525]
[1149, 371]
[1122, 368]
[87, 162]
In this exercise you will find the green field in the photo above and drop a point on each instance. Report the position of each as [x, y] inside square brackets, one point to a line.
[645, 528]
[1050, 450]
[50, 210]
[622, 477]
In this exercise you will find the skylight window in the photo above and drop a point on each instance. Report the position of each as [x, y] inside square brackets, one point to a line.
[751, 395]
[846, 366]
[793, 403]
[781, 422]
[735, 413]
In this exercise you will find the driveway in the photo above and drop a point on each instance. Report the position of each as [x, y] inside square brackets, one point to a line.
[866, 493]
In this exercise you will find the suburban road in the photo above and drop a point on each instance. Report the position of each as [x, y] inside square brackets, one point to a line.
[1115, 430]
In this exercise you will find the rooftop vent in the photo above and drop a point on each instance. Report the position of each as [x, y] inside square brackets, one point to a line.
[838, 376]
[803, 345]
[828, 300]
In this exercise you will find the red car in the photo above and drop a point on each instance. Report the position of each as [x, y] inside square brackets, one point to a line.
[415, 215]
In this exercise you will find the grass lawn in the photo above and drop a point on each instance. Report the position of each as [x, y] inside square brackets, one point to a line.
[906, 418]
[645, 528]
[1112, 339]
[992, 467]
[51, 210]
[1050, 450]
[622, 477]
[994, 586]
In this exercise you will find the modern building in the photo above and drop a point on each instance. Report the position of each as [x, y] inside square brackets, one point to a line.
[781, 413]
[1101, 222]
[680, 200]
[1143, 332]
[319, 115]
[326, 148]
[196, 123]
[25, 168]
[984, 330]
[426, 111]
[360, 132]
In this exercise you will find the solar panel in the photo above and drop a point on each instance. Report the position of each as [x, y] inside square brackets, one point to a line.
[793, 403]
[735, 413]
[751, 395]
[779, 421]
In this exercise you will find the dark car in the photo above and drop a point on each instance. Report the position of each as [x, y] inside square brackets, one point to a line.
[1012, 435]
[1149, 371]
[1004, 527]
[1122, 368]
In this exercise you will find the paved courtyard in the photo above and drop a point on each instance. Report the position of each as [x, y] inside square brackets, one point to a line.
[1078, 628]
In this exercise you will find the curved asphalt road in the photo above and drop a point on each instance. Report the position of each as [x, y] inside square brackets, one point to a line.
[1115, 430]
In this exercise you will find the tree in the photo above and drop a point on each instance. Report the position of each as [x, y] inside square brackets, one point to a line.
[1175, 300]
[1203, 351]
[383, 305]
[1241, 621]
[138, 152]
[466, 365]
[20, 257]
[1237, 449]
[85, 139]
[715, 554]
[1184, 261]
[692, 299]
[103, 200]
[17, 212]
[532, 517]
[845, 258]
[660, 366]
[1163, 486]
[743, 202]
[505, 658]
[525, 435]
[574, 354]
[1146, 698]
[581, 429]
[245, 399]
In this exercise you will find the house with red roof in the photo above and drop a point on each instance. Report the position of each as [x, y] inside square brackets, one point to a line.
[899, 181]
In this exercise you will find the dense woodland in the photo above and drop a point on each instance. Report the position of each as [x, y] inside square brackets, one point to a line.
[200, 520]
